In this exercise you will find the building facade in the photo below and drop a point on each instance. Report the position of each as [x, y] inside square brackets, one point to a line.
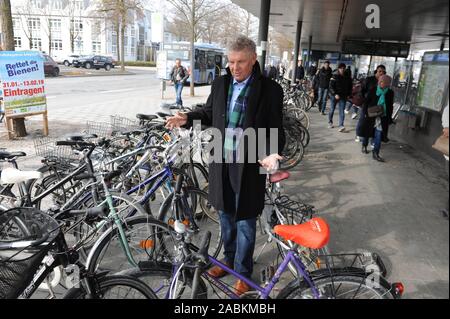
[64, 27]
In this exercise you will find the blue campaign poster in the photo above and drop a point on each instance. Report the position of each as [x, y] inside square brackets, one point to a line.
[22, 82]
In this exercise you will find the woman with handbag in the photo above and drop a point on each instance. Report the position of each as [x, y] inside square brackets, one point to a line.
[376, 115]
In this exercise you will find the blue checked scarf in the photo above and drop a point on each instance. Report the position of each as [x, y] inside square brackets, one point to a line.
[235, 121]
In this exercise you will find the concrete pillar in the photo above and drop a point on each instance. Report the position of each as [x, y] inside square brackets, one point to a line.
[297, 48]
[263, 31]
[308, 57]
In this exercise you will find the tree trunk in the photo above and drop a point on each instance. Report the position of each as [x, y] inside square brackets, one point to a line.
[72, 42]
[118, 42]
[50, 44]
[122, 46]
[192, 91]
[6, 25]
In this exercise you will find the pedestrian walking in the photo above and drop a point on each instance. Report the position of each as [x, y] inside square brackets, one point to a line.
[178, 77]
[340, 89]
[323, 77]
[376, 113]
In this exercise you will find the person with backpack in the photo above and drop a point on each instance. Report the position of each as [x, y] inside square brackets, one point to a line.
[178, 77]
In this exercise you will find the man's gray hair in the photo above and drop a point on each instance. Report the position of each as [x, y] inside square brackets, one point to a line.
[242, 43]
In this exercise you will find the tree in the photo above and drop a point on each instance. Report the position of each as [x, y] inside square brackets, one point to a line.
[6, 25]
[25, 13]
[46, 15]
[194, 12]
[73, 11]
[124, 12]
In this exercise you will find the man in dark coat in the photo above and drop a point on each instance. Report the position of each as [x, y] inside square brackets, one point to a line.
[299, 72]
[340, 90]
[323, 77]
[237, 189]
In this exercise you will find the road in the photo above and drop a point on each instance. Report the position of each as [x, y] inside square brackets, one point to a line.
[77, 99]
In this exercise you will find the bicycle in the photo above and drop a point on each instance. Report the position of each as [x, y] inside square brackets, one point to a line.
[32, 245]
[336, 283]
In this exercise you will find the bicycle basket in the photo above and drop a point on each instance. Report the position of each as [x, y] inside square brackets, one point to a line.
[46, 147]
[121, 124]
[100, 129]
[18, 265]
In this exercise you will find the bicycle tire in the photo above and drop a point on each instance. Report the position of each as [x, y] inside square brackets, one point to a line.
[106, 284]
[206, 210]
[83, 228]
[324, 280]
[158, 277]
[152, 244]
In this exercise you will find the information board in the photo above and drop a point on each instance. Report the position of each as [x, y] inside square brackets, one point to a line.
[22, 83]
[433, 82]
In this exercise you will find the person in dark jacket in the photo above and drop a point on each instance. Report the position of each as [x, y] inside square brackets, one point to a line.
[312, 70]
[367, 85]
[375, 126]
[247, 100]
[178, 77]
[340, 90]
[323, 77]
[299, 72]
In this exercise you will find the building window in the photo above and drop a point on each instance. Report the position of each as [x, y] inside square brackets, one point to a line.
[77, 25]
[17, 42]
[96, 30]
[36, 44]
[34, 24]
[77, 5]
[36, 4]
[56, 45]
[16, 23]
[114, 42]
[79, 44]
[55, 25]
[96, 47]
[56, 4]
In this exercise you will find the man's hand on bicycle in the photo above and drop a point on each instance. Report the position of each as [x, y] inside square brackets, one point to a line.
[179, 119]
[270, 163]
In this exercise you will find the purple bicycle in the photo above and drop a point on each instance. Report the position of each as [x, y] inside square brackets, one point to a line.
[186, 276]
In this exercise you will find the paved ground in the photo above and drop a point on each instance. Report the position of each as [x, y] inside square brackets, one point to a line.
[392, 208]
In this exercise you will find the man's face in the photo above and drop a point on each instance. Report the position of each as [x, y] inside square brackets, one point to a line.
[241, 64]
[178, 63]
[341, 71]
[380, 72]
[326, 65]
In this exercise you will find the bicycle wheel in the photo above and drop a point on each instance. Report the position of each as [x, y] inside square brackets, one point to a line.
[125, 207]
[115, 287]
[339, 285]
[57, 197]
[158, 276]
[147, 239]
[198, 214]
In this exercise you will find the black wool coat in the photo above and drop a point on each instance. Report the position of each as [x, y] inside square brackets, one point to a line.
[366, 128]
[264, 110]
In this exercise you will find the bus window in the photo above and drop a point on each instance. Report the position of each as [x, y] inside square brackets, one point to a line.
[200, 61]
[211, 61]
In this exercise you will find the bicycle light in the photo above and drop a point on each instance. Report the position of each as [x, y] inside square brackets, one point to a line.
[398, 288]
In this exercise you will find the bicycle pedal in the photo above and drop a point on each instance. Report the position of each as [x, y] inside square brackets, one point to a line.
[267, 274]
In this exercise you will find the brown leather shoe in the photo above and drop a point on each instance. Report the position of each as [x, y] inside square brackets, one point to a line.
[218, 272]
[241, 287]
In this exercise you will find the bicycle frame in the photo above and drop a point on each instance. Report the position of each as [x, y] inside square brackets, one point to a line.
[264, 292]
